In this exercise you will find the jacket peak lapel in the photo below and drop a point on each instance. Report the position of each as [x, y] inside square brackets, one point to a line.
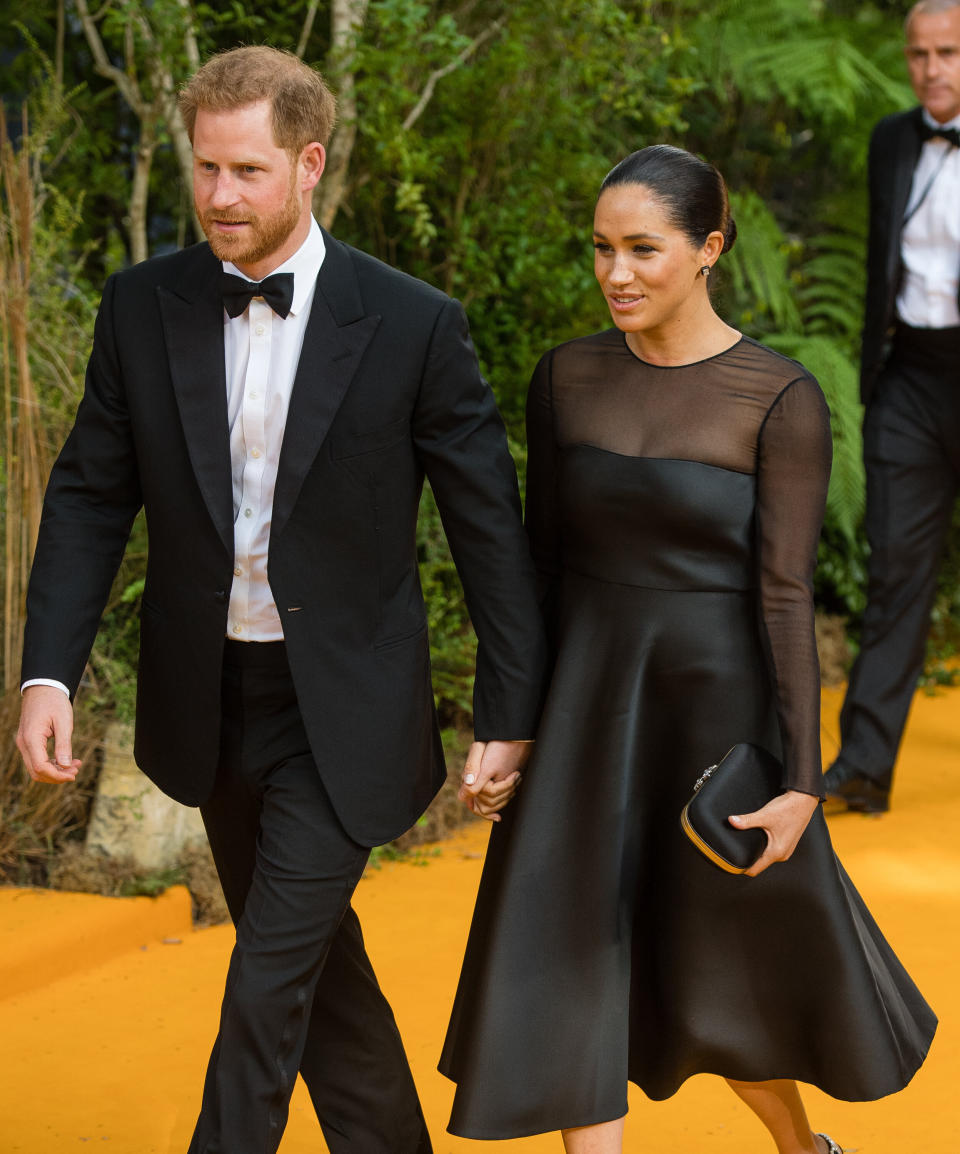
[193, 329]
[329, 360]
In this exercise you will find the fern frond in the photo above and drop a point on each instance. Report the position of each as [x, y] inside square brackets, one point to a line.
[759, 264]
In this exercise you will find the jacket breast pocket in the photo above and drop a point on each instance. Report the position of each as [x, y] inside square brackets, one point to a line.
[350, 445]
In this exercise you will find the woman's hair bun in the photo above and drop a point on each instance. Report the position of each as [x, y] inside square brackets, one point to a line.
[729, 235]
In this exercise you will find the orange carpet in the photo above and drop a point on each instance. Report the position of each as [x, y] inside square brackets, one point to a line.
[108, 1006]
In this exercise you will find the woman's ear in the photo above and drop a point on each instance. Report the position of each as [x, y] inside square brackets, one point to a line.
[712, 247]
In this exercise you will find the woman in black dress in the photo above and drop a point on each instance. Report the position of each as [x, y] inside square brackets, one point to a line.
[676, 484]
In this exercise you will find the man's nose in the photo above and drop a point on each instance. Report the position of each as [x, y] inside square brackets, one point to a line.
[224, 191]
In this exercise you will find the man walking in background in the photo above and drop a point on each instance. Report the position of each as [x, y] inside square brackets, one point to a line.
[910, 385]
[273, 400]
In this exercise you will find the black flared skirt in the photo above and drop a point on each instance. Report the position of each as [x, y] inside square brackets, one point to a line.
[605, 948]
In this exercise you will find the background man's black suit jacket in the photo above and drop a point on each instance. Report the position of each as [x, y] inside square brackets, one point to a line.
[387, 390]
[894, 150]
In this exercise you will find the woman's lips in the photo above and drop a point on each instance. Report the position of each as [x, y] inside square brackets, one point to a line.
[622, 303]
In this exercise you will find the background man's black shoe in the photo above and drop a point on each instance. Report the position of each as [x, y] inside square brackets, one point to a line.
[860, 793]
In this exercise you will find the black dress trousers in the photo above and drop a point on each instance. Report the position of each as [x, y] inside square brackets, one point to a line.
[911, 441]
[301, 994]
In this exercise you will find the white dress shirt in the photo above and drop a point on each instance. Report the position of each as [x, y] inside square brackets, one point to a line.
[261, 352]
[930, 243]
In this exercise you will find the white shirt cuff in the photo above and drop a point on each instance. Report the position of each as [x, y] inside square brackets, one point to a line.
[44, 681]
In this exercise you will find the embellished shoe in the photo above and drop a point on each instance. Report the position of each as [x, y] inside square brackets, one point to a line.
[832, 1147]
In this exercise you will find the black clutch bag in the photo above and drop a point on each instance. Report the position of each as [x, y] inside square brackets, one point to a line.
[743, 781]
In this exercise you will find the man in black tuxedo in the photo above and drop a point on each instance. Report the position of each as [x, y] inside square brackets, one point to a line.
[273, 400]
[910, 384]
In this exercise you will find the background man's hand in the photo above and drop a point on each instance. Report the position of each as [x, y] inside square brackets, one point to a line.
[45, 713]
[492, 774]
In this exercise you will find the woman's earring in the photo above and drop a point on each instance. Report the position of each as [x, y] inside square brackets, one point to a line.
[705, 270]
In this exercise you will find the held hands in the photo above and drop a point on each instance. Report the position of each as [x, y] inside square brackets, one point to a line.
[45, 713]
[783, 819]
[492, 774]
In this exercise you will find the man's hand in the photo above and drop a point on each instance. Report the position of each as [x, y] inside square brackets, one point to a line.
[492, 774]
[45, 713]
[784, 819]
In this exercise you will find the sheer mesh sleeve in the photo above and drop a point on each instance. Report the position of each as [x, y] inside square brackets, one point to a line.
[542, 505]
[793, 470]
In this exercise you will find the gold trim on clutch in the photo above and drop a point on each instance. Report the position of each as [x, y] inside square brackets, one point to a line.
[703, 847]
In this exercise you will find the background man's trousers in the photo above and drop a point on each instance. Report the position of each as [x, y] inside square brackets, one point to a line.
[300, 992]
[912, 457]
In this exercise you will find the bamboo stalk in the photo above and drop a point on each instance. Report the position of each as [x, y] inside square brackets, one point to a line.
[23, 448]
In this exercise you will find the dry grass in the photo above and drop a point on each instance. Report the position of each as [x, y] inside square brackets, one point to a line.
[37, 820]
[95, 873]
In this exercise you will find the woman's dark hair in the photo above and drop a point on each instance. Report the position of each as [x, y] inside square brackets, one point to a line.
[691, 190]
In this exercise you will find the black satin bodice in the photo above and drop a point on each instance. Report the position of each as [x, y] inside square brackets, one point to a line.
[657, 524]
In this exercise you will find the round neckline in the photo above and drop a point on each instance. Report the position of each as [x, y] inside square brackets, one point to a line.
[686, 364]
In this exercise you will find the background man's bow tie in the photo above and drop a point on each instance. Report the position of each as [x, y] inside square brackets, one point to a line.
[276, 290]
[950, 135]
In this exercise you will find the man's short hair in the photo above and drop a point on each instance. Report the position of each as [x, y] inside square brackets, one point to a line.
[304, 108]
[929, 8]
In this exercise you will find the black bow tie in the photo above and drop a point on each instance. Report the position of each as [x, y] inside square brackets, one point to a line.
[950, 135]
[276, 290]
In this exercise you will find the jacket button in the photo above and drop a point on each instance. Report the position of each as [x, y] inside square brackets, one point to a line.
[220, 595]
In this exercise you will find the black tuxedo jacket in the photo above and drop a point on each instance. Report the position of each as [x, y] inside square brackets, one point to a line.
[387, 390]
[894, 151]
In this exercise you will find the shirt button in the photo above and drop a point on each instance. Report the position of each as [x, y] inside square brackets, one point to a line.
[254, 453]
[238, 628]
[259, 330]
[238, 572]
[248, 512]
[253, 396]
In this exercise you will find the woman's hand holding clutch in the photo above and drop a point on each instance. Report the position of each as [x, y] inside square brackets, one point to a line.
[783, 819]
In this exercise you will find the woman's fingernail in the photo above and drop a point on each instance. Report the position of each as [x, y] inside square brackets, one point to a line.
[469, 779]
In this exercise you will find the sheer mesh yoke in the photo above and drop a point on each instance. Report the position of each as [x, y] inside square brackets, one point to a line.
[747, 411]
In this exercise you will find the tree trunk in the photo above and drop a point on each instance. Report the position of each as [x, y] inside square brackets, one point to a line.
[137, 220]
[346, 18]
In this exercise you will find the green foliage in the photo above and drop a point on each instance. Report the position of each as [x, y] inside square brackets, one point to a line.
[759, 265]
[490, 192]
[484, 130]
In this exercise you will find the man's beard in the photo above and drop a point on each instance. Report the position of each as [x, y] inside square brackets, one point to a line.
[263, 236]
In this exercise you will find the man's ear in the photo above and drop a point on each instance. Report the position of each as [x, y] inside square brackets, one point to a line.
[312, 160]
